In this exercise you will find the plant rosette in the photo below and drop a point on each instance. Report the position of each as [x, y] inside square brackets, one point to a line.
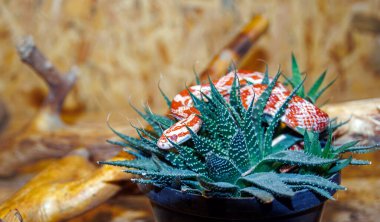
[241, 148]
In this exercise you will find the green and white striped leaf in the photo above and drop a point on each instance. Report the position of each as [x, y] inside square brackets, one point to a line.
[262, 195]
[269, 182]
[221, 168]
[313, 180]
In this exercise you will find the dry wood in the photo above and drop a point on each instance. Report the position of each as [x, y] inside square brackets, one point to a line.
[65, 189]
[59, 85]
[46, 136]
[364, 120]
[4, 117]
[237, 48]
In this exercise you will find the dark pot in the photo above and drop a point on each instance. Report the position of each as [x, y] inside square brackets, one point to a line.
[170, 205]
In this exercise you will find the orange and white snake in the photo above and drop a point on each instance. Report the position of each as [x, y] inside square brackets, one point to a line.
[299, 114]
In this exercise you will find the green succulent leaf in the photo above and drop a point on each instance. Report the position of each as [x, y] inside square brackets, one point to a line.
[258, 108]
[157, 128]
[284, 142]
[221, 168]
[167, 100]
[297, 158]
[166, 175]
[319, 93]
[201, 144]
[269, 182]
[145, 164]
[238, 151]
[135, 143]
[223, 187]
[176, 160]
[190, 157]
[190, 190]
[262, 195]
[340, 165]
[312, 180]
[360, 162]
[266, 76]
[313, 92]
[118, 143]
[196, 75]
[317, 190]
[276, 119]
[362, 149]
[297, 77]
[342, 148]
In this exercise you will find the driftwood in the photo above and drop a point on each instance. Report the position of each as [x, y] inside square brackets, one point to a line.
[47, 136]
[66, 188]
[48, 118]
[364, 120]
[236, 49]
[77, 185]
[4, 117]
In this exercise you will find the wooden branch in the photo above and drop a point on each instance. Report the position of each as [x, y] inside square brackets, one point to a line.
[65, 189]
[45, 136]
[19, 151]
[4, 116]
[59, 85]
[237, 48]
[364, 120]
[12, 216]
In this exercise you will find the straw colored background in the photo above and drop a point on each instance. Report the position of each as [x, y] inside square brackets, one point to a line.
[122, 47]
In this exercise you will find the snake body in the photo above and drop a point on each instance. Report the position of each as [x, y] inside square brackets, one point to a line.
[299, 114]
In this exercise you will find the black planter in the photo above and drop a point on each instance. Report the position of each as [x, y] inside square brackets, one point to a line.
[170, 205]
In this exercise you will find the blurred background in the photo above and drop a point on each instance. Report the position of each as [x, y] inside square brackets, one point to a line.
[123, 48]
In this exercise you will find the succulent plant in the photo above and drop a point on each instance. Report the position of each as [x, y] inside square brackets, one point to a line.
[240, 152]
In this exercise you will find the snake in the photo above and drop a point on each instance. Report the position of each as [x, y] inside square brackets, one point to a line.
[299, 114]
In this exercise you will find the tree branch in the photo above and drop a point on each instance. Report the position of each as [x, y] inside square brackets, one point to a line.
[234, 51]
[4, 116]
[59, 85]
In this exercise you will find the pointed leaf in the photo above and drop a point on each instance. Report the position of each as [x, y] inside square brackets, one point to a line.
[269, 182]
[276, 119]
[313, 180]
[342, 148]
[190, 157]
[298, 158]
[266, 76]
[238, 151]
[260, 194]
[363, 149]
[219, 186]
[197, 79]
[316, 190]
[167, 100]
[284, 142]
[323, 90]
[340, 165]
[315, 87]
[360, 162]
[176, 160]
[137, 164]
[221, 168]
[297, 77]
